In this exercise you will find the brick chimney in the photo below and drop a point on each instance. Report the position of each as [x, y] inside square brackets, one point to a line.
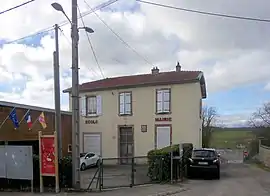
[155, 70]
[178, 67]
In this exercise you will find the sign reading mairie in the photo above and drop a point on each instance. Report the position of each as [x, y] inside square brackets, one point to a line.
[162, 119]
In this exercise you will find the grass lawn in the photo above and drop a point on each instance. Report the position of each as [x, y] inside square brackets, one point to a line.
[230, 137]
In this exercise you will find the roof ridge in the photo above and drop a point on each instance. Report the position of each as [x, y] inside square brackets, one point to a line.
[145, 74]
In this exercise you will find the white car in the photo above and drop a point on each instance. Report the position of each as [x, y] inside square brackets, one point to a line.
[89, 159]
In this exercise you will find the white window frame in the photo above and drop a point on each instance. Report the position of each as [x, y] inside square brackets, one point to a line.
[160, 101]
[85, 105]
[91, 111]
[165, 129]
[123, 103]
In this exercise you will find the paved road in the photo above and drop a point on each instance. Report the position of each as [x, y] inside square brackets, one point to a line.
[236, 179]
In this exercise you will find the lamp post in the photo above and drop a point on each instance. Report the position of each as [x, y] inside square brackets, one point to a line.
[75, 90]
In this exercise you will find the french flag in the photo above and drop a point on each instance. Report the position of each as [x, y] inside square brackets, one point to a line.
[28, 121]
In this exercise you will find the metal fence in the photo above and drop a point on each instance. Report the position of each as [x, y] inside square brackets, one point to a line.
[129, 172]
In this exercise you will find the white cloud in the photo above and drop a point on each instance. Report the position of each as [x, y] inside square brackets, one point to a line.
[230, 52]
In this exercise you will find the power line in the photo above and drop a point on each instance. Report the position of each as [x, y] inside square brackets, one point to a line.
[205, 13]
[63, 23]
[118, 36]
[90, 43]
[62, 32]
[17, 6]
[90, 68]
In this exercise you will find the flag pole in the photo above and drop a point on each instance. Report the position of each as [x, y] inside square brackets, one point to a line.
[6, 118]
[36, 120]
[24, 116]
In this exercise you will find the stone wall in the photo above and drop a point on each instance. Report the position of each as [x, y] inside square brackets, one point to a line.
[264, 155]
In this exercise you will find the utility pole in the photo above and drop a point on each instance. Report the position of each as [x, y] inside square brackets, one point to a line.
[57, 94]
[75, 99]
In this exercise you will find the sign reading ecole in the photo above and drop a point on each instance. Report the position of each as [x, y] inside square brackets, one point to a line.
[91, 121]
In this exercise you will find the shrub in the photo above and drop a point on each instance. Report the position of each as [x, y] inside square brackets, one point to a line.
[159, 162]
[65, 173]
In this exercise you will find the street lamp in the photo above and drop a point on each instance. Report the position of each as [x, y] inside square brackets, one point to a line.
[59, 8]
[75, 90]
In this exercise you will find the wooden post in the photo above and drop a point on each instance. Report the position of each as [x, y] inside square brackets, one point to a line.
[40, 163]
[32, 186]
[57, 190]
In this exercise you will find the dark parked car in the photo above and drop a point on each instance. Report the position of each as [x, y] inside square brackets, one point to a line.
[204, 161]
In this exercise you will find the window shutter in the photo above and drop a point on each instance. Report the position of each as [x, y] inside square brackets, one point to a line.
[83, 106]
[99, 105]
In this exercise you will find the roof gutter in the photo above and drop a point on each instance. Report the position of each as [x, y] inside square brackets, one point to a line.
[136, 86]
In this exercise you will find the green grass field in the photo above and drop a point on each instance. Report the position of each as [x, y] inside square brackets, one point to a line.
[231, 137]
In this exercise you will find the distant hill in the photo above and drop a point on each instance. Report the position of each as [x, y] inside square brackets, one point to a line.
[236, 129]
[231, 137]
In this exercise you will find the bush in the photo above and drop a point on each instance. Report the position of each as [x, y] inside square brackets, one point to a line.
[159, 162]
[65, 176]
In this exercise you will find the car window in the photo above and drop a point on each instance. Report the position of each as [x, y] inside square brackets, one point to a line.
[203, 153]
[82, 155]
[90, 155]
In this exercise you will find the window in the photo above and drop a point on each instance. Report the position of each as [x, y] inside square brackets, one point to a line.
[200, 109]
[91, 105]
[203, 153]
[89, 155]
[125, 103]
[69, 148]
[163, 101]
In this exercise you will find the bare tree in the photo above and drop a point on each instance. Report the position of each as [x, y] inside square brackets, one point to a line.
[261, 121]
[261, 118]
[209, 117]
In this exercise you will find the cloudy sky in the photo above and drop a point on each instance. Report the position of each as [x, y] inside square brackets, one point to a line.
[233, 54]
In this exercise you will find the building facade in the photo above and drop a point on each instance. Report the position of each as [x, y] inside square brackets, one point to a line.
[131, 115]
[24, 136]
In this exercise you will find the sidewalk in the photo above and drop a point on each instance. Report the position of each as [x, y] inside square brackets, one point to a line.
[146, 190]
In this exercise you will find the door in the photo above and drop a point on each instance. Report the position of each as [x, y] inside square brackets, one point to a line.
[163, 136]
[92, 143]
[89, 158]
[126, 144]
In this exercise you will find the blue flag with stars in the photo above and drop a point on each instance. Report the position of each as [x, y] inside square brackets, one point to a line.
[14, 119]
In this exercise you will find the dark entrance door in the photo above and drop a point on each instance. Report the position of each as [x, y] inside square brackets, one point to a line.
[126, 144]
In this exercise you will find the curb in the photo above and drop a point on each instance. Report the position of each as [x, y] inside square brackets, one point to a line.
[169, 193]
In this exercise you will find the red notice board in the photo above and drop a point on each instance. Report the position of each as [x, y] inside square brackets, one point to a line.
[47, 155]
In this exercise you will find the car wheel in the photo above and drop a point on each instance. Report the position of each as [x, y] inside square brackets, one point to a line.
[97, 163]
[83, 167]
[189, 173]
[218, 174]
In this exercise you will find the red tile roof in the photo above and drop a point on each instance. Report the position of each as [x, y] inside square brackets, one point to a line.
[162, 78]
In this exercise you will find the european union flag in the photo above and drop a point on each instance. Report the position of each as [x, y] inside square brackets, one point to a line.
[14, 119]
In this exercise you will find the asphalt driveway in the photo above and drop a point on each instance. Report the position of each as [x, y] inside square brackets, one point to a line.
[116, 176]
[236, 179]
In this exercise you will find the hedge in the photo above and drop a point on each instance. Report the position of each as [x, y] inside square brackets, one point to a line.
[65, 176]
[159, 162]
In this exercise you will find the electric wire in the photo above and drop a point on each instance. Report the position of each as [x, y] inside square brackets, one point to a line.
[91, 45]
[63, 23]
[62, 32]
[17, 6]
[118, 36]
[203, 12]
[69, 42]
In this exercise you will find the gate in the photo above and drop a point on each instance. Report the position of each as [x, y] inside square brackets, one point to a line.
[231, 156]
[16, 162]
